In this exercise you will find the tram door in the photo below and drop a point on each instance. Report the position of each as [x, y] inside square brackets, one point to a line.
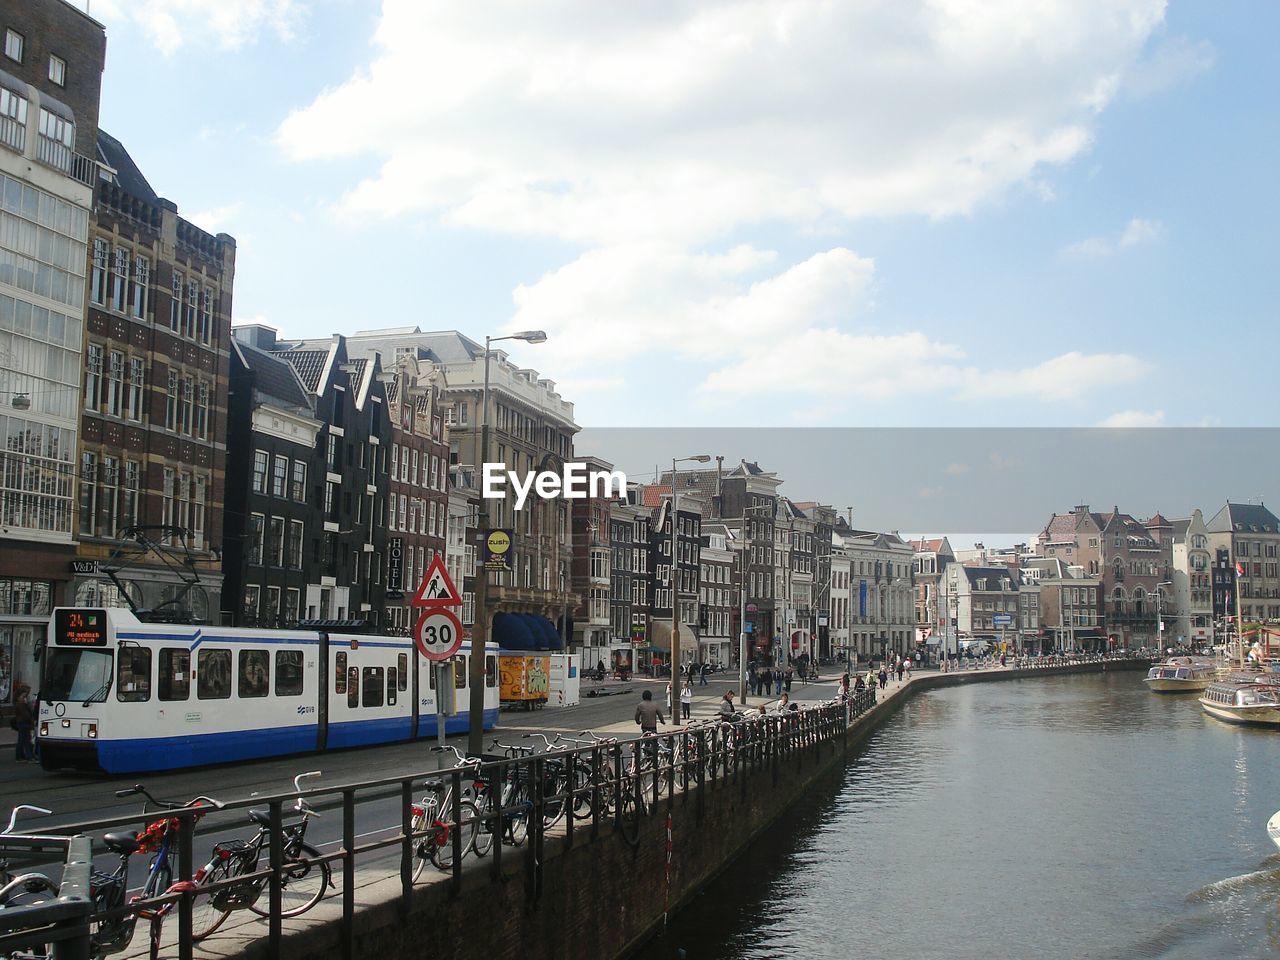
[416, 684]
[322, 697]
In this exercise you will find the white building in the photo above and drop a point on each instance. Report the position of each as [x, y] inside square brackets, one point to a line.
[1191, 620]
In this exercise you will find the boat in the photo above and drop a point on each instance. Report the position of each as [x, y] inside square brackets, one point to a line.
[1273, 828]
[1254, 702]
[1181, 675]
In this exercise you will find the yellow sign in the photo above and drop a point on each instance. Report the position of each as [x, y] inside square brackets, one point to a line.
[497, 547]
[524, 678]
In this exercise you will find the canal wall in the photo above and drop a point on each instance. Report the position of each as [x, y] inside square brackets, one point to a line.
[603, 896]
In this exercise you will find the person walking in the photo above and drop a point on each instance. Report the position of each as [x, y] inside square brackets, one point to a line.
[777, 683]
[871, 678]
[702, 675]
[902, 668]
[726, 711]
[884, 678]
[786, 682]
[686, 699]
[908, 663]
[24, 722]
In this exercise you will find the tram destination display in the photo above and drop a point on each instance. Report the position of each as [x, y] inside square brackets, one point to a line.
[80, 628]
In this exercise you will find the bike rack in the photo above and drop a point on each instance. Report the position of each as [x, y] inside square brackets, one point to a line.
[62, 923]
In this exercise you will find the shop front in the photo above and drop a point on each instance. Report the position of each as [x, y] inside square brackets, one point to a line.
[25, 608]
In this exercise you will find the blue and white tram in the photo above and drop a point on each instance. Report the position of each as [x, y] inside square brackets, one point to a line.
[121, 695]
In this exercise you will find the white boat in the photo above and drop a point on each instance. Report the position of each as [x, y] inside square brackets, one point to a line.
[1242, 701]
[1181, 675]
[1273, 828]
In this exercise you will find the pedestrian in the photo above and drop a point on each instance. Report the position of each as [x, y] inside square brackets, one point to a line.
[24, 722]
[844, 685]
[901, 670]
[726, 711]
[702, 677]
[777, 683]
[783, 705]
[884, 678]
[787, 680]
[766, 681]
[686, 699]
[648, 713]
[871, 678]
[908, 668]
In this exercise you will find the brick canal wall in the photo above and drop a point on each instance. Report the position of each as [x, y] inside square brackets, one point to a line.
[603, 897]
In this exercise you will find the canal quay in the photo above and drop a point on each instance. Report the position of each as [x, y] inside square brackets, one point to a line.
[956, 817]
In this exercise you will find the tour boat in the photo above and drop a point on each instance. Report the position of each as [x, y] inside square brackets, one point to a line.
[1181, 675]
[1273, 828]
[1238, 700]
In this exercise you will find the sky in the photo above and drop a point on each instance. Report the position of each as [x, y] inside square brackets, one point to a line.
[902, 213]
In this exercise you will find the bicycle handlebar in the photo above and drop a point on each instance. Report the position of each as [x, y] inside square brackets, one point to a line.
[138, 788]
[13, 817]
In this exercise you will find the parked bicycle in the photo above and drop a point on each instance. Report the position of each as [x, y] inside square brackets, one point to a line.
[431, 825]
[304, 877]
[110, 890]
[24, 888]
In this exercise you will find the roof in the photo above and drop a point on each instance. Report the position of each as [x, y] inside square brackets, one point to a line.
[273, 378]
[991, 574]
[309, 365]
[928, 546]
[654, 494]
[128, 177]
[1157, 521]
[1179, 528]
[1244, 518]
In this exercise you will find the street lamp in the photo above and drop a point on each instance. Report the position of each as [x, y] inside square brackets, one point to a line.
[480, 630]
[675, 571]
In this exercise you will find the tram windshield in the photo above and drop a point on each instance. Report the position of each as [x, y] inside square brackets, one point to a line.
[83, 675]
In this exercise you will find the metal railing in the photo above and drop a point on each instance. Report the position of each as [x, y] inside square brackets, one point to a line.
[59, 928]
[607, 786]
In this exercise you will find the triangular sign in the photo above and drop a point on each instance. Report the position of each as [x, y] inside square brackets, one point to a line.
[436, 589]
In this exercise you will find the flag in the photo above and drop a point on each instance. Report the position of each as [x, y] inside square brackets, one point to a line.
[1239, 569]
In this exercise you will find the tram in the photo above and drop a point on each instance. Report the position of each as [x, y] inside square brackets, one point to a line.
[122, 695]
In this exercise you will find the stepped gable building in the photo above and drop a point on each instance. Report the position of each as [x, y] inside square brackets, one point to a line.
[271, 509]
[344, 559]
[591, 618]
[1191, 621]
[1247, 534]
[50, 82]
[531, 427]
[156, 377]
[931, 559]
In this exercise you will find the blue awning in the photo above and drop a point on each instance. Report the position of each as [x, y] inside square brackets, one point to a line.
[544, 632]
[511, 632]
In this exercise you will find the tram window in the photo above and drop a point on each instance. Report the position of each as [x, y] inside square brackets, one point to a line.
[340, 674]
[133, 675]
[490, 671]
[373, 686]
[402, 675]
[214, 674]
[175, 673]
[392, 672]
[254, 678]
[288, 673]
[459, 672]
[431, 676]
[353, 686]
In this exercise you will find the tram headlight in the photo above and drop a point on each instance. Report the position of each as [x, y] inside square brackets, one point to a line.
[92, 731]
[44, 728]
[66, 724]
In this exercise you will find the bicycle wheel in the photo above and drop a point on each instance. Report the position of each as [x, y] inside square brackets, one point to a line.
[422, 846]
[304, 878]
[482, 839]
[206, 917]
[517, 822]
[442, 849]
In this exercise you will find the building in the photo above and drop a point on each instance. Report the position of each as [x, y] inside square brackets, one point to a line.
[746, 499]
[50, 84]
[1190, 623]
[882, 614]
[841, 599]
[154, 423]
[625, 552]
[717, 644]
[931, 558]
[985, 602]
[531, 428]
[592, 562]
[271, 444]
[350, 470]
[1250, 533]
[1069, 606]
[674, 584]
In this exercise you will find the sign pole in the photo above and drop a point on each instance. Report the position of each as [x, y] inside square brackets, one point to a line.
[440, 672]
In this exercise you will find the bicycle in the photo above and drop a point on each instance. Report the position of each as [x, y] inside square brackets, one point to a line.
[25, 888]
[304, 877]
[114, 933]
[435, 834]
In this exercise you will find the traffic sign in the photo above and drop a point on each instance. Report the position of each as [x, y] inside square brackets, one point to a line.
[1002, 620]
[438, 633]
[436, 589]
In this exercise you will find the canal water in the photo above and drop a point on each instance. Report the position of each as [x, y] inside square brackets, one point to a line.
[1064, 817]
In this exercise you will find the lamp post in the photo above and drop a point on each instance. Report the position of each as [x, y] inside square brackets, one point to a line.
[675, 573]
[480, 630]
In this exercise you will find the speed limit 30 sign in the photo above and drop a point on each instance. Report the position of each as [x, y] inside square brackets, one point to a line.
[438, 633]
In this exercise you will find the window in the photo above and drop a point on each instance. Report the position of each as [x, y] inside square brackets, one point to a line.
[138, 287]
[299, 485]
[402, 675]
[115, 382]
[202, 410]
[257, 526]
[293, 552]
[171, 401]
[279, 475]
[57, 70]
[93, 377]
[288, 673]
[459, 672]
[254, 673]
[137, 388]
[193, 302]
[109, 498]
[292, 597]
[119, 278]
[129, 493]
[199, 498]
[340, 674]
[353, 687]
[98, 273]
[260, 462]
[275, 542]
[251, 594]
[13, 44]
[213, 680]
[88, 493]
[175, 303]
[185, 400]
[174, 679]
[391, 686]
[133, 675]
[206, 315]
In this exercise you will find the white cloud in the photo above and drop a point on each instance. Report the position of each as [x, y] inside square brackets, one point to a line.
[956, 469]
[1137, 231]
[217, 219]
[684, 120]
[231, 24]
[1135, 418]
[1173, 62]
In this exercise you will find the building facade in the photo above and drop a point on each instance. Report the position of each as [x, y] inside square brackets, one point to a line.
[1250, 534]
[1190, 623]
